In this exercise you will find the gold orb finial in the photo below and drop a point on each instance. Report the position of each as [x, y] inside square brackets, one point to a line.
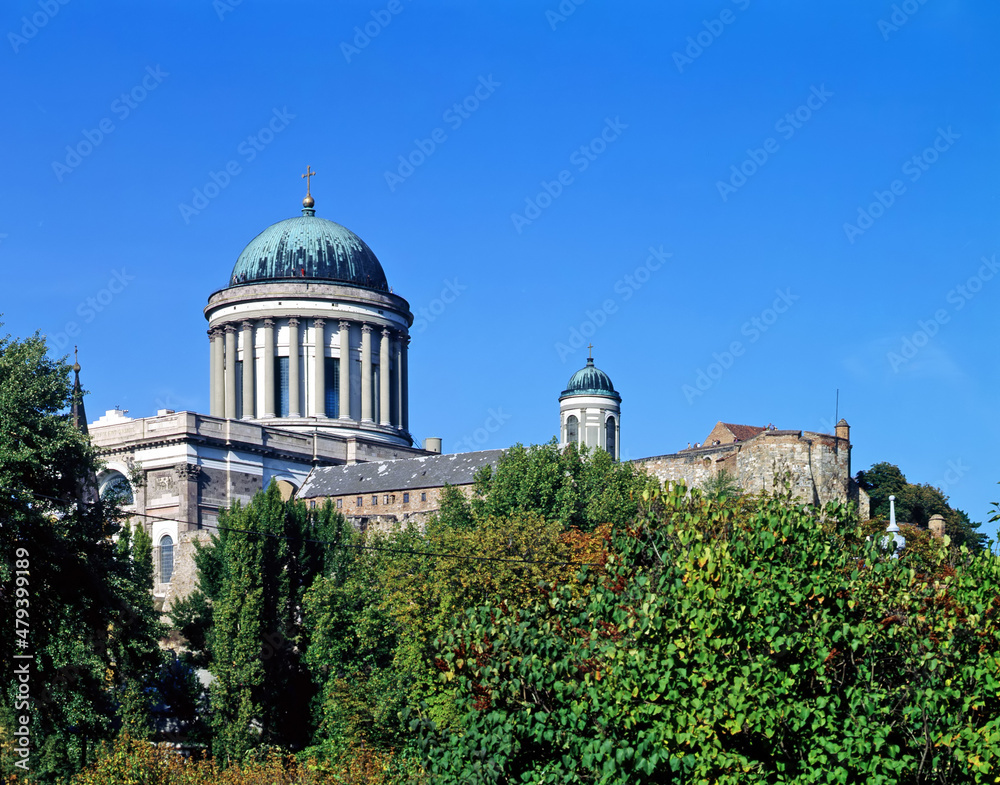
[308, 202]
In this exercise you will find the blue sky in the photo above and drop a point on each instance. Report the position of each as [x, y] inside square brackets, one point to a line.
[744, 206]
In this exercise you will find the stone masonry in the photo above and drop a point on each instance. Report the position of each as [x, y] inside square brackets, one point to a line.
[817, 466]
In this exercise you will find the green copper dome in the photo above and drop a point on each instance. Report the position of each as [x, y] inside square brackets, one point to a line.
[590, 381]
[308, 247]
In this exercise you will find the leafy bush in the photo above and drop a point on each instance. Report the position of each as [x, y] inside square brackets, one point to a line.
[765, 643]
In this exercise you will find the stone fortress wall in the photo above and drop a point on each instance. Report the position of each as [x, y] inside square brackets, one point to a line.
[817, 465]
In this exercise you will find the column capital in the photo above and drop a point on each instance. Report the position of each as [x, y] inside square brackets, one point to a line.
[319, 322]
[246, 324]
[214, 332]
[385, 332]
[293, 322]
[229, 328]
[366, 328]
[187, 471]
[343, 324]
[269, 322]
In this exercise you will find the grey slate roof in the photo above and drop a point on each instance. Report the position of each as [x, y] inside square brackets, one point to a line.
[431, 471]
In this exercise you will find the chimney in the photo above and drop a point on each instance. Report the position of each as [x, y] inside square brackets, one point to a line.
[432, 444]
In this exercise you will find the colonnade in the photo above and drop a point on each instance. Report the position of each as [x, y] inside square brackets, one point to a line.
[259, 343]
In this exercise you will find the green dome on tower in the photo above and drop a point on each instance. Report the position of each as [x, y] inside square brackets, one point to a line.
[307, 247]
[590, 381]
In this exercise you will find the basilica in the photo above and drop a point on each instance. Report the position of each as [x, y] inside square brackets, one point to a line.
[308, 371]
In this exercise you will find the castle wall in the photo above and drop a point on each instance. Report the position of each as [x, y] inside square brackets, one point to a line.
[817, 466]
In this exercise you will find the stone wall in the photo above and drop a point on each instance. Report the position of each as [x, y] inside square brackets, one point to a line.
[391, 507]
[815, 465]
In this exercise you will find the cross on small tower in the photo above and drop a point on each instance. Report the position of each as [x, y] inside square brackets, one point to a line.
[309, 173]
[591, 348]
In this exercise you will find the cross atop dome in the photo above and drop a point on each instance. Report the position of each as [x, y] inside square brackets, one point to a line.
[308, 203]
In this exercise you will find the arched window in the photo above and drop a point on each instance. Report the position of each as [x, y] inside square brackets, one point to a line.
[116, 488]
[609, 434]
[166, 558]
[572, 431]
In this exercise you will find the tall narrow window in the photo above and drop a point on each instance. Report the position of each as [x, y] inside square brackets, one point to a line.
[281, 386]
[572, 433]
[239, 389]
[609, 433]
[166, 558]
[331, 405]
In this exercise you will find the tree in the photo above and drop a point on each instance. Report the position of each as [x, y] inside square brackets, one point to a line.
[916, 504]
[769, 643]
[578, 488]
[262, 562]
[71, 576]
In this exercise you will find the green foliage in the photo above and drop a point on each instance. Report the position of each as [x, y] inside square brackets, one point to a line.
[916, 504]
[724, 484]
[266, 558]
[192, 618]
[374, 624]
[769, 644]
[91, 625]
[573, 486]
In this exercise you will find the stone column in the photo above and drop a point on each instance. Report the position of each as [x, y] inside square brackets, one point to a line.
[319, 368]
[345, 370]
[217, 383]
[230, 360]
[269, 368]
[385, 416]
[293, 368]
[399, 381]
[404, 373]
[248, 363]
[187, 493]
[366, 373]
